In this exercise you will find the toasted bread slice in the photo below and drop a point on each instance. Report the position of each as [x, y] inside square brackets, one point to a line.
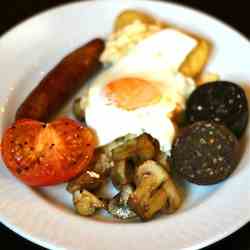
[194, 63]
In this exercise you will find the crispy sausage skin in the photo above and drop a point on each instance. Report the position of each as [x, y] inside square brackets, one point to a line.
[61, 82]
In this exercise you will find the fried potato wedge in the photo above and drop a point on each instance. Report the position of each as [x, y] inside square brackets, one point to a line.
[129, 16]
[207, 77]
[195, 62]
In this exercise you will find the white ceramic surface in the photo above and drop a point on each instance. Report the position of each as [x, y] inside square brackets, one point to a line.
[45, 216]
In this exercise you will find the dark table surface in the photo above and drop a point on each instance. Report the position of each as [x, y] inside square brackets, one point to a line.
[235, 13]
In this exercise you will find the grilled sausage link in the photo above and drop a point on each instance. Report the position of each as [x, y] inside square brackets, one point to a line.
[61, 82]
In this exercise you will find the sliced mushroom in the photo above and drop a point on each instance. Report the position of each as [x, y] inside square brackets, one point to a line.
[118, 206]
[96, 176]
[140, 149]
[150, 169]
[155, 191]
[174, 197]
[89, 180]
[162, 159]
[86, 203]
[118, 142]
[122, 173]
[148, 198]
[102, 162]
[124, 151]
[146, 147]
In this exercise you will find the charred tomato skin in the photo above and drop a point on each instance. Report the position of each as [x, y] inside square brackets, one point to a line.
[41, 154]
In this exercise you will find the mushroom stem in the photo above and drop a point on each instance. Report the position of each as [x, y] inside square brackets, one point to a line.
[86, 203]
[118, 206]
[122, 174]
[155, 191]
[174, 197]
[97, 174]
[140, 149]
[146, 200]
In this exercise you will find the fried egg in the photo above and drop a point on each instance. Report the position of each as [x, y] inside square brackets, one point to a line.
[141, 91]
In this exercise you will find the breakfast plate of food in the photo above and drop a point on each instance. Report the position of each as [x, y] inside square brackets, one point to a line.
[124, 121]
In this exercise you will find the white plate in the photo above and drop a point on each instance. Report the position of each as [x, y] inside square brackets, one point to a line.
[45, 216]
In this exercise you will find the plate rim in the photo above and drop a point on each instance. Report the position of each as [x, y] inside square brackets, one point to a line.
[49, 245]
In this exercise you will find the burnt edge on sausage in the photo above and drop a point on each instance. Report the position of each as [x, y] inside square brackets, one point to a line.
[62, 82]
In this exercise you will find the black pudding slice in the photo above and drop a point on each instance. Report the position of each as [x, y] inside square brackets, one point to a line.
[205, 153]
[222, 102]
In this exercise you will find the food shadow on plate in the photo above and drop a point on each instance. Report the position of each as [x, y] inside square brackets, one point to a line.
[24, 86]
[194, 194]
[244, 140]
[17, 95]
[58, 197]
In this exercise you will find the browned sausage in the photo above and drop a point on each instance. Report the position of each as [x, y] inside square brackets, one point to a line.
[61, 82]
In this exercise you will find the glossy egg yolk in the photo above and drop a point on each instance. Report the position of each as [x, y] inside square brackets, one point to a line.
[132, 93]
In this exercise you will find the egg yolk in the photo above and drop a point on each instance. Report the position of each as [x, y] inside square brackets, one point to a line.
[132, 93]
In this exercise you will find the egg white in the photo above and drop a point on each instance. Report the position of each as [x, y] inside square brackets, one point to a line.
[152, 60]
